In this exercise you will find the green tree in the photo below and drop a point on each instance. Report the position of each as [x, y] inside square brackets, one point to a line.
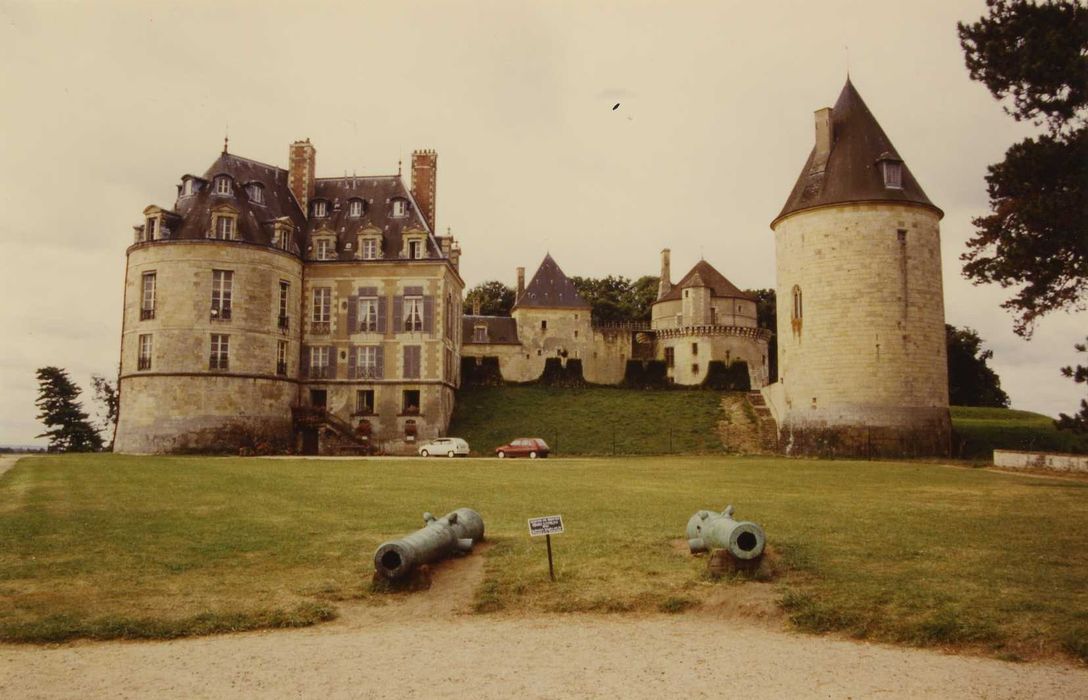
[1035, 57]
[67, 426]
[617, 298]
[105, 393]
[496, 299]
[971, 381]
[1078, 422]
[767, 317]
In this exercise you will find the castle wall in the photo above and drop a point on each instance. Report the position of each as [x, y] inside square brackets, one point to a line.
[178, 402]
[693, 351]
[868, 351]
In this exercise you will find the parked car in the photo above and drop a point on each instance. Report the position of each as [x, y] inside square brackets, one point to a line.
[523, 447]
[449, 446]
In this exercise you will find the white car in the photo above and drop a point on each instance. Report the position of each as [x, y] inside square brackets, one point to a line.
[448, 446]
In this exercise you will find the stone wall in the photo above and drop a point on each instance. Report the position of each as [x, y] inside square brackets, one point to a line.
[868, 350]
[1041, 460]
[179, 402]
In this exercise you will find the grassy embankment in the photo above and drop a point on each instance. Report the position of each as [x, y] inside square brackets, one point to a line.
[978, 431]
[105, 546]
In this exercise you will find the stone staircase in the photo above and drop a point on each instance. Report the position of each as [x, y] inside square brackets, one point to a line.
[335, 436]
[747, 426]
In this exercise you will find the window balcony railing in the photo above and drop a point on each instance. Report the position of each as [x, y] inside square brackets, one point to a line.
[143, 363]
[147, 314]
[320, 327]
[320, 372]
[281, 369]
[221, 313]
[218, 363]
[284, 323]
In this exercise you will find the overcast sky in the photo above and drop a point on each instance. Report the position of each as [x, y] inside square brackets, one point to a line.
[107, 104]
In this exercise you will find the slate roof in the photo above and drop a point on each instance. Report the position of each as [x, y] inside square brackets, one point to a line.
[852, 173]
[255, 220]
[501, 330]
[704, 275]
[550, 288]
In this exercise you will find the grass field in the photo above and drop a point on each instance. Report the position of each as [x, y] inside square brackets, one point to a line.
[978, 431]
[595, 420]
[106, 546]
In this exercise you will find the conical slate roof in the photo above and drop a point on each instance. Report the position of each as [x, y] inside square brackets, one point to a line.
[852, 173]
[550, 288]
[704, 275]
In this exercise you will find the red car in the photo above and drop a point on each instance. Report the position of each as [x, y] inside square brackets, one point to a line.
[522, 447]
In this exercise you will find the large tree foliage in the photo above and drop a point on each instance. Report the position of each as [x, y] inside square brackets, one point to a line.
[971, 381]
[767, 317]
[1078, 422]
[105, 394]
[617, 298]
[496, 299]
[1034, 55]
[67, 426]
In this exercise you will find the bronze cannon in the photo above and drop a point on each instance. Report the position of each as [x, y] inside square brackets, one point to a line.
[439, 538]
[709, 530]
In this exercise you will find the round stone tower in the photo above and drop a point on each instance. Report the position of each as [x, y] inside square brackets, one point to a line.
[861, 340]
[210, 339]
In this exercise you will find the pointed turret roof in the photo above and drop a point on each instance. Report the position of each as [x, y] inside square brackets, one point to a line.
[704, 275]
[852, 172]
[551, 288]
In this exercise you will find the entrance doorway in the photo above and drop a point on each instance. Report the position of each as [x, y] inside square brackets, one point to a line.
[319, 398]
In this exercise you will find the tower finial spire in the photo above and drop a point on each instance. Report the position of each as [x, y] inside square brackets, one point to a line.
[226, 138]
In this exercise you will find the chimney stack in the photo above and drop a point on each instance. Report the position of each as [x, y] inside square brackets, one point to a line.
[521, 283]
[300, 173]
[823, 139]
[475, 306]
[664, 284]
[424, 173]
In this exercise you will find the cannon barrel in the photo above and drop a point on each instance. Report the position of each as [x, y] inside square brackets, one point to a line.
[437, 539]
[709, 530]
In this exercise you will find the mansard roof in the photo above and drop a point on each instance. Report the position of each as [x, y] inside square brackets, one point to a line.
[550, 288]
[704, 275]
[501, 330]
[255, 220]
[377, 193]
[852, 173]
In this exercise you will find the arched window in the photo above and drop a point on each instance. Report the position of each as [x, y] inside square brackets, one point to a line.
[798, 307]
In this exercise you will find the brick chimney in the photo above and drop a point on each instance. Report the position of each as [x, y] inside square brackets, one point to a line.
[823, 139]
[300, 173]
[664, 284]
[424, 173]
[475, 306]
[521, 283]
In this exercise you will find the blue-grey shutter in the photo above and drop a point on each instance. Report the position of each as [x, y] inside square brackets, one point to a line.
[353, 315]
[332, 362]
[428, 314]
[398, 314]
[379, 360]
[304, 362]
[352, 369]
[381, 315]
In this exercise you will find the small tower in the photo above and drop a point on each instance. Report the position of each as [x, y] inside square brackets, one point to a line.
[861, 343]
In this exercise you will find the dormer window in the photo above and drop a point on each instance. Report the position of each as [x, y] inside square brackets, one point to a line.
[282, 238]
[355, 208]
[371, 248]
[256, 193]
[150, 228]
[400, 208]
[891, 168]
[224, 228]
[188, 187]
[222, 184]
[415, 249]
[325, 249]
[320, 208]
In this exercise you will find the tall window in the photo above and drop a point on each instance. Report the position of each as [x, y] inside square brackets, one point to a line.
[144, 360]
[149, 229]
[281, 358]
[283, 238]
[147, 303]
[222, 185]
[285, 292]
[798, 309]
[326, 249]
[368, 314]
[224, 228]
[355, 208]
[370, 249]
[187, 187]
[670, 357]
[415, 249]
[412, 362]
[366, 362]
[322, 310]
[413, 313]
[222, 291]
[321, 208]
[319, 362]
[220, 355]
[364, 401]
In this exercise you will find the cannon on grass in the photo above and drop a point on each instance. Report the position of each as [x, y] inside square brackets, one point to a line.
[454, 533]
[708, 530]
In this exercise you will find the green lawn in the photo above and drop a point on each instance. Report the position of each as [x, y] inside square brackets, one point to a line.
[594, 420]
[978, 431]
[106, 546]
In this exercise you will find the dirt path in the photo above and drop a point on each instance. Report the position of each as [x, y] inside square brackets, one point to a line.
[7, 462]
[425, 645]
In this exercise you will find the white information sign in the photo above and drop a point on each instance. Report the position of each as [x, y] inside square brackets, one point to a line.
[546, 525]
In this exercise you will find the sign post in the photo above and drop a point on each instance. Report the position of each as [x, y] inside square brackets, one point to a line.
[547, 526]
